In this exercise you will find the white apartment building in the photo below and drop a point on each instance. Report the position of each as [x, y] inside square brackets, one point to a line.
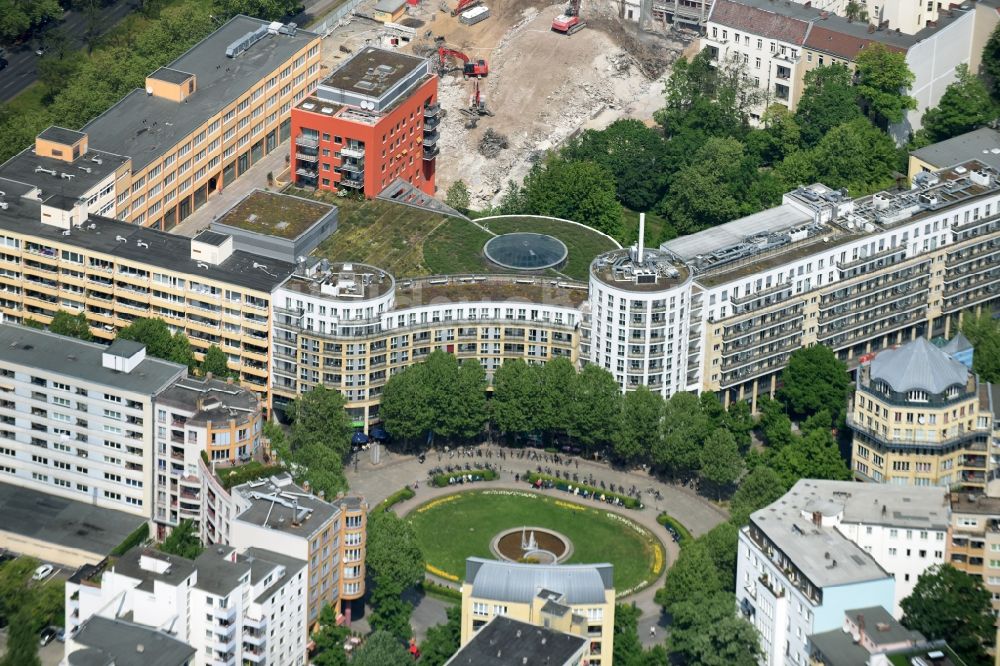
[826, 547]
[76, 418]
[196, 418]
[231, 608]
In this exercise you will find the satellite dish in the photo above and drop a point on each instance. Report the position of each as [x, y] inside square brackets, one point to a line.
[921, 419]
[149, 90]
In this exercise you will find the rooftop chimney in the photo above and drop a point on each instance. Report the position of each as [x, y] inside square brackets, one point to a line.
[642, 236]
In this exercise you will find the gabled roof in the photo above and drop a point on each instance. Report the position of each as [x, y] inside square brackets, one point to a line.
[841, 44]
[918, 366]
[759, 21]
[509, 581]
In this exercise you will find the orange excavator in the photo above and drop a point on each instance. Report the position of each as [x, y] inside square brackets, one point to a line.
[463, 5]
[470, 67]
[570, 20]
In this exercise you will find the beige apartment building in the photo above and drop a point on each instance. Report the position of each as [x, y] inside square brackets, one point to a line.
[577, 599]
[53, 257]
[921, 418]
[161, 152]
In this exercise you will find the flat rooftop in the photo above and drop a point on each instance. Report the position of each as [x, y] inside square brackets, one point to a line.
[499, 289]
[982, 144]
[372, 71]
[129, 565]
[122, 643]
[777, 219]
[145, 127]
[273, 214]
[216, 574]
[507, 642]
[143, 245]
[982, 505]
[210, 400]
[55, 177]
[36, 515]
[814, 548]
[37, 349]
[278, 504]
[343, 282]
[658, 271]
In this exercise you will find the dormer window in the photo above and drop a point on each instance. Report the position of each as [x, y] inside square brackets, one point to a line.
[916, 396]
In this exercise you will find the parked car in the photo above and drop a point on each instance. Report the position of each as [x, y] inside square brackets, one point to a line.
[42, 572]
[61, 635]
[48, 633]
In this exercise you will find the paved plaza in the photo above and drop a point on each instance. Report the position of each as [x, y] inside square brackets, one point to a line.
[377, 481]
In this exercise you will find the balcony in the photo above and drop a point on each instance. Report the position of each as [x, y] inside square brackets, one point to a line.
[432, 110]
[355, 151]
[430, 138]
[307, 141]
[431, 152]
[306, 172]
[350, 181]
[306, 157]
[353, 166]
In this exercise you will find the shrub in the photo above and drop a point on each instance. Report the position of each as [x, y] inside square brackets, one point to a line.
[441, 480]
[400, 495]
[442, 591]
[665, 519]
[563, 484]
[253, 470]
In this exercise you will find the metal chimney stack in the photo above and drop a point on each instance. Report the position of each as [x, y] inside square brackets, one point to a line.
[642, 237]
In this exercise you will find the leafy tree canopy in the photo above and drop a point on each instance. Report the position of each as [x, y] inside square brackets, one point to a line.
[639, 425]
[951, 604]
[269, 10]
[217, 362]
[380, 649]
[708, 632]
[883, 77]
[579, 191]
[183, 541]
[964, 106]
[73, 325]
[759, 488]
[458, 196]
[443, 640]
[815, 379]
[721, 464]
[828, 100]
[983, 332]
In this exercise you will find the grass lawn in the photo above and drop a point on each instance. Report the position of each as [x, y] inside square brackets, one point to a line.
[583, 244]
[449, 530]
[409, 242]
[654, 228]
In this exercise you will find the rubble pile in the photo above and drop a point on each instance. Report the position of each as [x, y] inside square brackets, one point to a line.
[492, 143]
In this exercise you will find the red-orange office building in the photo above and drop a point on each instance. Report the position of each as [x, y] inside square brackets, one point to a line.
[374, 119]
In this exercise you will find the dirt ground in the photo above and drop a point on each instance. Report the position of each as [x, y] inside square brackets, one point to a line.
[543, 87]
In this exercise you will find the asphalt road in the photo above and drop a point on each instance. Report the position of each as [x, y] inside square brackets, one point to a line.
[22, 67]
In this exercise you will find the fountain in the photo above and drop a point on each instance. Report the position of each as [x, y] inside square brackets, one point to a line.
[532, 544]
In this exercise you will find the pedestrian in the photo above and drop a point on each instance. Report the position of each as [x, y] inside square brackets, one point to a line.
[652, 631]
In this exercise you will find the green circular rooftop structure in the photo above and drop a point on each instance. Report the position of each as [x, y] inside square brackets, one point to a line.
[523, 251]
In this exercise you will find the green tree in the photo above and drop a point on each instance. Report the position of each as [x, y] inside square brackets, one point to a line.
[515, 390]
[627, 648]
[269, 10]
[709, 633]
[990, 67]
[685, 427]
[779, 136]
[443, 640]
[183, 541]
[740, 422]
[406, 407]
[828, 100]
[580, 191]
[638, 429]
[635, 156]
[712, 189]
[964, 106]
[883, 82]
[857, 156]
[329, 640]
[159, 341]
[73, 325]
[759, 488]
[22, 641]
[951, 604]
[458, 196]
[469, 412]
[814, 456]
[318, 417]
[693, 577]
[216, 362]
[595, 406]
[721, 542]
[721, 464]
[380, 649]
[983, 332]
[815, 379]
[395, 564]
[18, 17]
[552, 410]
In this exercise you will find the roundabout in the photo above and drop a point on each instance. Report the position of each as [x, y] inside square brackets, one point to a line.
[522, 526]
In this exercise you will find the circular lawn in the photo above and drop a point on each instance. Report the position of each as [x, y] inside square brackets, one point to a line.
[454, 527]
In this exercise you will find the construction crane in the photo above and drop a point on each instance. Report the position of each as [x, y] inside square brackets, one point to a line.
[569, 21]
[470, 68]
[463, 5]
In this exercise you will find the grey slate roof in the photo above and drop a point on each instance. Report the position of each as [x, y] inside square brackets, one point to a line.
[127, 644]
[918, 365]
[957, 345]
[507, 642]
[520, 583]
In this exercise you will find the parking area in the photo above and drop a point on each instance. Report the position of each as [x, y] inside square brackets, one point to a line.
[50, 655]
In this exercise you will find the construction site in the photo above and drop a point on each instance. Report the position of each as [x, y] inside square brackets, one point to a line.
[518, 77]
